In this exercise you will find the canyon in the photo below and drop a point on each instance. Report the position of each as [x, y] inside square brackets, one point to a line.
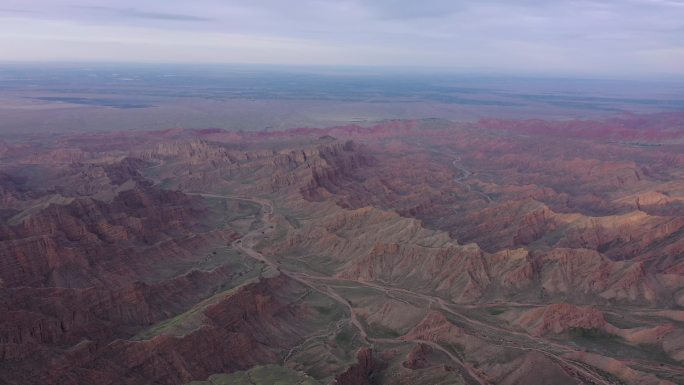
[404, 252]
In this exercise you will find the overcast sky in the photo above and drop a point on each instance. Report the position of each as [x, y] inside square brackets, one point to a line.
[630, 37]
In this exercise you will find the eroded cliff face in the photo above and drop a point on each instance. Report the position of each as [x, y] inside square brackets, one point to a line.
[202, 164]
[375, 246]
[87, 242]
[235, 330]
[361, 372]
[411, 252]
[36, 320]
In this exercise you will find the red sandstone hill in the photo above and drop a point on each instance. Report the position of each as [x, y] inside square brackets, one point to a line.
[88, 242]
[410, 252]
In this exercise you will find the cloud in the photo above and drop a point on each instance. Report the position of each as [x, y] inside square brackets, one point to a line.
[132, 12]
[139, 14]
[401, 9]
[16, 11]
[569, 36]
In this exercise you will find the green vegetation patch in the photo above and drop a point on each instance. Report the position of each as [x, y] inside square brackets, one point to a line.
[495, 310]
[261, 375]
[226, 211]
[193, 318]
[55, 199]
[378, 330]
[290, 217]
[590, 334]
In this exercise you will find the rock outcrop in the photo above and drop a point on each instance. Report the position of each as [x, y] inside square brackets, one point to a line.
[359, 373]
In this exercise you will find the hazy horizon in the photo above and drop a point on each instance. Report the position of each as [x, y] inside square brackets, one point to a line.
[674, 79]
[590, 38]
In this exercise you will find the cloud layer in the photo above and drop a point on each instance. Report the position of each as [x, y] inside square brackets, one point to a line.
[625, 37]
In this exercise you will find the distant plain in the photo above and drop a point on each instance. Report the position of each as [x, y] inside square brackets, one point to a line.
[104, 98]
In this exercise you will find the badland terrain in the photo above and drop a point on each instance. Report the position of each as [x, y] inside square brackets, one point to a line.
[497, 251]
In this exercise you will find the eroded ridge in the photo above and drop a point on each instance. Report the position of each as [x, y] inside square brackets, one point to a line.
[411, 252]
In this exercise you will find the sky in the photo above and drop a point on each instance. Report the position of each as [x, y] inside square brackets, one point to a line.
[609, 37]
